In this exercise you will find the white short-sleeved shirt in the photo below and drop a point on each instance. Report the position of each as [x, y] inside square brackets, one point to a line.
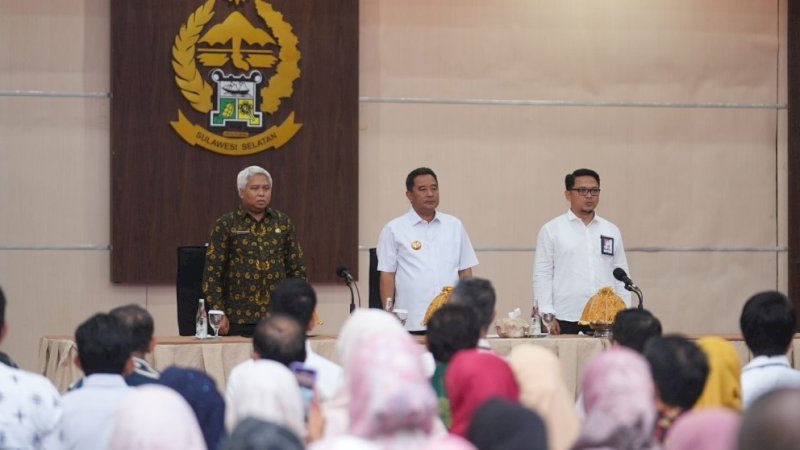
[765, 373]
[573, 261]
[425, 257]
[30, 410]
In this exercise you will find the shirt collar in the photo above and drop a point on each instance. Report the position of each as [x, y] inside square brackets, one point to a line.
[763, 360]
[414, 218]
[104, 380]
[244, 214]
[571, 216]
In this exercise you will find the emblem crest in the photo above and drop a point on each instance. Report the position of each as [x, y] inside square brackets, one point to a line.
[236, 74]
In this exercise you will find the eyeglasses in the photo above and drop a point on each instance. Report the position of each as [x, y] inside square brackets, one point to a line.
[584, 192]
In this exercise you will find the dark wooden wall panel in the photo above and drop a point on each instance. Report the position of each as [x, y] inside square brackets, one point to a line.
[793, 80]
[167, 193]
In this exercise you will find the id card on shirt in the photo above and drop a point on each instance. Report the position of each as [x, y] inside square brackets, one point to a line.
[607, 245]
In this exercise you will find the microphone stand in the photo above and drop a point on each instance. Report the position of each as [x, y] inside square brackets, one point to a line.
[635, 289]
[352, 295]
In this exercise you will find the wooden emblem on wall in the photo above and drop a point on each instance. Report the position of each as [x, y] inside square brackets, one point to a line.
[204, 89]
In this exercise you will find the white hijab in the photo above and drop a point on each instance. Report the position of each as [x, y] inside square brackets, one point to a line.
[266, 390]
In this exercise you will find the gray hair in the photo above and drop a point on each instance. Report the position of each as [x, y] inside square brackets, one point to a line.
[247, 173]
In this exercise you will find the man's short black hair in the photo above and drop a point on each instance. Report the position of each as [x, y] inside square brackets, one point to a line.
[296, 298]
[768, 323]
[633, 327]
[416, 173]
[479, 294]
[280, 338]
[139, 323]
[452, 328]
[679, 369]
[104, 345]
[2, 308]
[569, 180]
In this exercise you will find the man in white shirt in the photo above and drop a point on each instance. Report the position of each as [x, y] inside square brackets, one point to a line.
[422, 251]
[30, 407]
[576, 254]
[768, 324]
[296, 298]
[104, 355]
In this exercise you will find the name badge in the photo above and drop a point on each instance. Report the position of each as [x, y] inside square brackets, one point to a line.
[607, 245]
[241, 232]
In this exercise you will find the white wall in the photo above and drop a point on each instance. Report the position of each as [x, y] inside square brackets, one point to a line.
[699, 192]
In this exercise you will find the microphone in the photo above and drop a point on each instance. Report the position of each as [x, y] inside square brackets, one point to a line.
[620, 275]
[342, 272]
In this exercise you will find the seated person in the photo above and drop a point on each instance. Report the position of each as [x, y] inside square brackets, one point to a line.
[768, 324]
[634, 327]
[478, 294]
[139, 323]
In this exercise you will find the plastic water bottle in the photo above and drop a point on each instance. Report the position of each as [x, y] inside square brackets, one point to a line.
[201, 320]
[536, 320]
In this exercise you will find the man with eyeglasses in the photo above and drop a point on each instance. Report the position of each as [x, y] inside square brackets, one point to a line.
[576, 254]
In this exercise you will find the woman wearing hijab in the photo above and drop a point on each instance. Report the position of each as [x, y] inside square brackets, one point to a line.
[619, 397]
[723, 385]
[360, 324]
[473, 377]
[392, 404]
[542, 389]
[705, 429]
[200, 392]
[266, 390]
[154, 417]
[503, 425]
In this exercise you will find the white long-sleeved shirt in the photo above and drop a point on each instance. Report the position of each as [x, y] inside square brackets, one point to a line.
[573, 261]
[765, 373]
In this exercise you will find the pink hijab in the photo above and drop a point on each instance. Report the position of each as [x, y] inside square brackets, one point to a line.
[619, 397]
[706, 429]
[472, 378]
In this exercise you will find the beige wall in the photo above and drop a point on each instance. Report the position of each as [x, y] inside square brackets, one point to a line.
[699, 193]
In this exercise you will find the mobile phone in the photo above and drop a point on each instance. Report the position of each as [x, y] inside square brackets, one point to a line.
[306, 378]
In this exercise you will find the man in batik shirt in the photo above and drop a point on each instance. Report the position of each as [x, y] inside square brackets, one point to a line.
[250, 251]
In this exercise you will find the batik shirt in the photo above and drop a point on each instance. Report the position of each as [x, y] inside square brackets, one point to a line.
[246, 259]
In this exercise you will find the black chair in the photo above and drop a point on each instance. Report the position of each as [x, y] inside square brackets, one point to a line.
[191, 263]
[374, 280]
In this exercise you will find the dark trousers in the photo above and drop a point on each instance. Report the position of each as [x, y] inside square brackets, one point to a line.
[573, 327]
[242, 329]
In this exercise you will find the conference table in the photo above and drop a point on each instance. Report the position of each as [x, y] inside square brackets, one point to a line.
[218, 356]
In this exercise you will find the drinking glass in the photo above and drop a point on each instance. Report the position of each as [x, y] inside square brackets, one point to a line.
[215, 320]
[547, 319]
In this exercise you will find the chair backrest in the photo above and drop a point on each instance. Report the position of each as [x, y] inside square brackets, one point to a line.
[189, 286]
[374, 280]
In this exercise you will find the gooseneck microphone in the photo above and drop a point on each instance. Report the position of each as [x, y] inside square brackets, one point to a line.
[344, 274]
[620, 275]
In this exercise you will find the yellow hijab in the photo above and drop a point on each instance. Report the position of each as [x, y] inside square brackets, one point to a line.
[542, 389]
[723, 386]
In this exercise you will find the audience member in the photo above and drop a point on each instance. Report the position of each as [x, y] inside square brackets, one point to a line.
[104, 355]
[139, 323]
[360, 324]
[620, 405]
[452, 328]
[296, 298]
[771, 421]
[155, 417]
[723, 386]
[478, 294]
[256, 434]
[768, 324]
[634, 327]
[392, 403]
[200, 392]
[705, 429]
[472, 378]
[266, 390]
[503, 425]
[542, 389]
[30, 407]
[679, 369]
[280, 338]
